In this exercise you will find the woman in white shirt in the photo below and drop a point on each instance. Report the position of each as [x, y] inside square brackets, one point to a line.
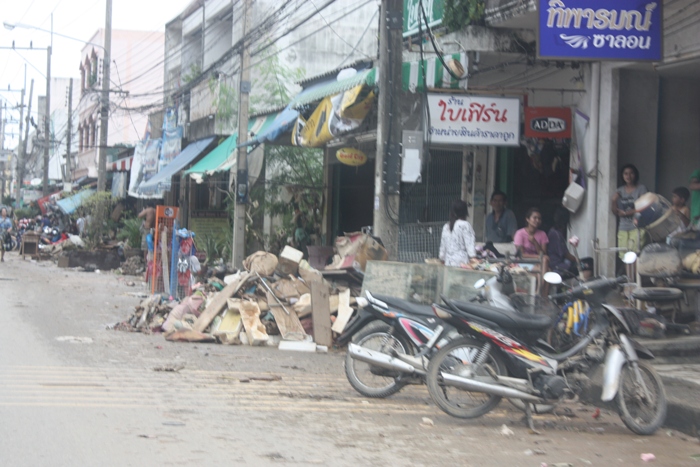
[457, 242]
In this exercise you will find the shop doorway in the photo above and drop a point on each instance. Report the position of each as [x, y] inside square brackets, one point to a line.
[535, 175]
[353, 197]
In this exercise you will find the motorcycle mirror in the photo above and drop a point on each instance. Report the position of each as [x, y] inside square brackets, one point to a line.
[630, 257]
[480, 283]
[552, 278]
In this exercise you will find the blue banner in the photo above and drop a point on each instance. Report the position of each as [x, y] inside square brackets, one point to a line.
[629, 30]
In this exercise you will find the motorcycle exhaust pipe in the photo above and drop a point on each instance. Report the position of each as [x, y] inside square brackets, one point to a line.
[379, 359]
[496, 389]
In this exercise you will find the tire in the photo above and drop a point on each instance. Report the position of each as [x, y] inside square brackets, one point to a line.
[369, 380]
[646, 419]
[445, 360]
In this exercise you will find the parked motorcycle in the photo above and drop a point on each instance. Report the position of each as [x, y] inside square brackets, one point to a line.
[393, 346]
[502, 355]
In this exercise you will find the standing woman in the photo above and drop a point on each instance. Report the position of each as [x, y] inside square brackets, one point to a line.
[457, 242]
[623, 207]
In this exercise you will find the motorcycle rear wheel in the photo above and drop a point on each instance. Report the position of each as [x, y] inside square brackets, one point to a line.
[640, 414]
[369, 380]
[454, 358]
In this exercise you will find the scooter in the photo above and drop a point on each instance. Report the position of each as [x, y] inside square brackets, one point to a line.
[394, 345]
[393, 339]
[502, 355]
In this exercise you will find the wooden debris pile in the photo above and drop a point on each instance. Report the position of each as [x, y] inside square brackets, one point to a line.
[272, 300]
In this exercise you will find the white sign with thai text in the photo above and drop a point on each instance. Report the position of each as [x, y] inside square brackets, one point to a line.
[472, 120]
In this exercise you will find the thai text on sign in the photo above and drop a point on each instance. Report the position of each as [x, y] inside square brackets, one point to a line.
[464, 120]
[600, 29]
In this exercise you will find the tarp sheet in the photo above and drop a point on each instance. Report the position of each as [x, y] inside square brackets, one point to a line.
[70, 204]
[163, 179]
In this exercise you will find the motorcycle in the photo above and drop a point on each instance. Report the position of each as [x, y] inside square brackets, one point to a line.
[393, 346]
[502, 355]
[396, 338]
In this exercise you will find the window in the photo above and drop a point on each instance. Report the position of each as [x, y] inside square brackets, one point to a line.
[80, 135]
[82, 78]
[93, 69]
[94, 134]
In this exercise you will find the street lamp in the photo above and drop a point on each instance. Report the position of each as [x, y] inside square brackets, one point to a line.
[104, 98]
[11, 26]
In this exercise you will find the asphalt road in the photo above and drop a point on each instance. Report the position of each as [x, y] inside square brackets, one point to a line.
[73, 393]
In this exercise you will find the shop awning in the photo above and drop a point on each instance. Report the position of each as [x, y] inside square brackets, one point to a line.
[121, 165]
[436, 77]
[211, 162]
[225, 154]
[319, 91]
[70, 204]
[162, 180]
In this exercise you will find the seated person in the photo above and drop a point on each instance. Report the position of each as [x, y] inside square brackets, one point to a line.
[532, 243]
[679, 200]
[500, 223]
[560, 259]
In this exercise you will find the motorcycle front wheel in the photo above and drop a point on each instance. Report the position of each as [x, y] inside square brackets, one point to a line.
[641, 398]
[458, 358]
[370, 380]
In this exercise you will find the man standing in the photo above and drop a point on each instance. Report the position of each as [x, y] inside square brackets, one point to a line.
[695, 198]
[149, 218]
[500, 223]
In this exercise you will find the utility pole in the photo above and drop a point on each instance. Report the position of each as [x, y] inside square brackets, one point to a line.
[47, 124]
[23, 142]
[104, 100]
[387, 163]
[242, 188]
[69, 132]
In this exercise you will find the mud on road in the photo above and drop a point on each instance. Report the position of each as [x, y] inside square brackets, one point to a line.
[93, 396]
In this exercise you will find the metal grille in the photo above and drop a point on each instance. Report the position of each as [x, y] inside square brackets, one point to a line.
[425, 206]
[430, 200]
[418, 242]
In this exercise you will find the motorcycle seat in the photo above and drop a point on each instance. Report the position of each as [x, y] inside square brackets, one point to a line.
[507, 319]
[405, 305]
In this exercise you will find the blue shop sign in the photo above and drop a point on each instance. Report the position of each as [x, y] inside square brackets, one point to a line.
[628, 30]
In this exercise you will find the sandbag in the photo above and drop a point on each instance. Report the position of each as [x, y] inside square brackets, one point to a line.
[262, 262]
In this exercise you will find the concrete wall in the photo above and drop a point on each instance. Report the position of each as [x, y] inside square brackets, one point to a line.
[679, 133]
[637, 138]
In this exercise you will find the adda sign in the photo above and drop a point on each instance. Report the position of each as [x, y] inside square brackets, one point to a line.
[548, 122]
[600, 29]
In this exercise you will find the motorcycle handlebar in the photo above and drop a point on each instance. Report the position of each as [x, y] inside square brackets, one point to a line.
[596, 284]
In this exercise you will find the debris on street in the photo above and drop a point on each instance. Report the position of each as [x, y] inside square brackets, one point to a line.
[267, 303]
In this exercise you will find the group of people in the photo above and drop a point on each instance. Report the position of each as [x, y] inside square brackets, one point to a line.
[622, 206]
[458, 242]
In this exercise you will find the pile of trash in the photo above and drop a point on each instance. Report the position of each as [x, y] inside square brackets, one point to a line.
[272, 301]
[133, 266]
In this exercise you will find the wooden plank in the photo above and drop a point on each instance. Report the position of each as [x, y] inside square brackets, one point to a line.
[289, 325]
[321, 313]
[219, 302]
[344, 312]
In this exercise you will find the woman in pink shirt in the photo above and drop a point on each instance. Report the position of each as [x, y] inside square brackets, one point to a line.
[532, 242]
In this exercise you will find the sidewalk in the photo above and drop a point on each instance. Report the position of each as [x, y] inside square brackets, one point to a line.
[682, 383]
[678, 364]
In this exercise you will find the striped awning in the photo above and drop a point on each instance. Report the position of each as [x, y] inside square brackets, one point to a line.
[121, 165]
[436, 77]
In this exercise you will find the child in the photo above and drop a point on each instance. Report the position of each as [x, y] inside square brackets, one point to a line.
[678, 200]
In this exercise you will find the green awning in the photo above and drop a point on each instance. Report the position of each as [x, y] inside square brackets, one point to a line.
[216, 157]
[221, 157]
[319, 91]
[436, 77]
